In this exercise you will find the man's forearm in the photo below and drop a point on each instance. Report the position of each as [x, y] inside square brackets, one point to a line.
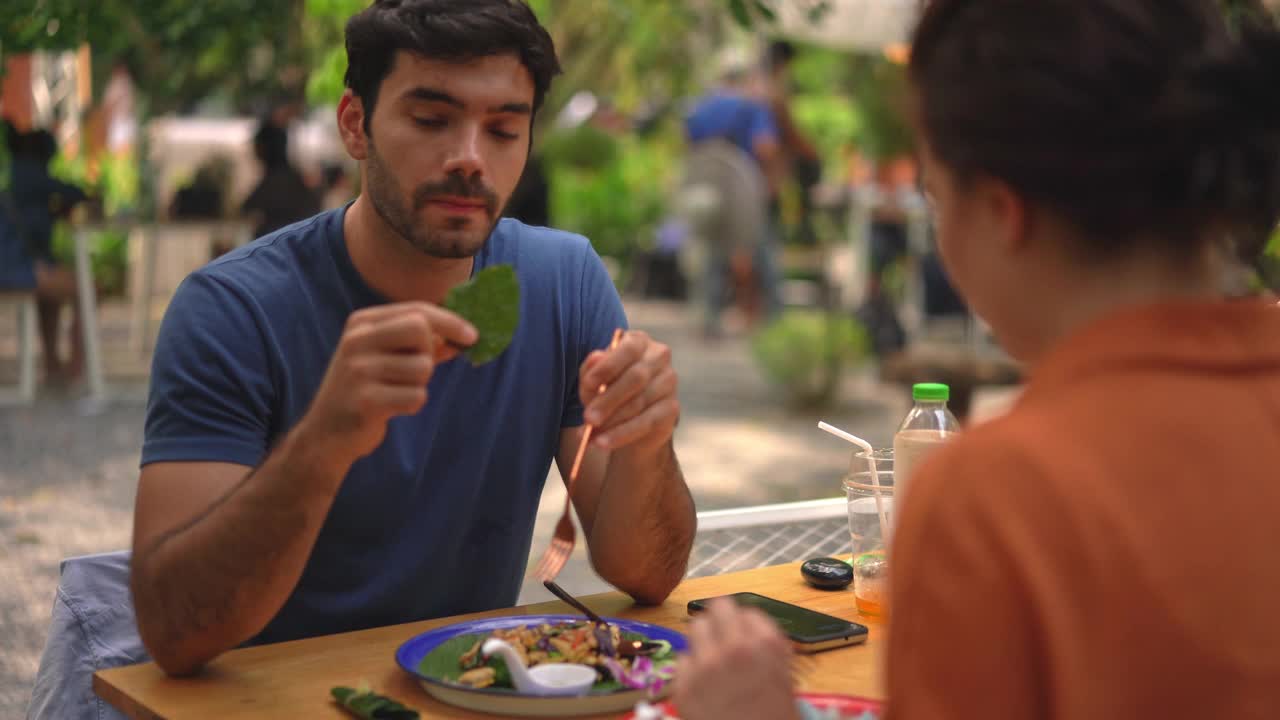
[644, 526]
[215, 582]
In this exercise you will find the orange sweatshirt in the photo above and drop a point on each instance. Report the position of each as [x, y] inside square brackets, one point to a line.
[1111, 548]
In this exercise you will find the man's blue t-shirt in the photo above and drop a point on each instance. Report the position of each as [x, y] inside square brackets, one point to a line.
[738, 119]
[438, 520]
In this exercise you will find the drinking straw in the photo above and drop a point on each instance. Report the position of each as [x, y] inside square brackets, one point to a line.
[875, 476]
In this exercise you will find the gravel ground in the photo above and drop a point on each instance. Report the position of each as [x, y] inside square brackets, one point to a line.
[66, 489]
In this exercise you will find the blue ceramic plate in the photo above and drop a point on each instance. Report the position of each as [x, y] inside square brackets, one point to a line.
[510, 702]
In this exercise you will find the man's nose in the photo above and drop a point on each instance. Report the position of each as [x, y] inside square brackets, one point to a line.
[465, 158]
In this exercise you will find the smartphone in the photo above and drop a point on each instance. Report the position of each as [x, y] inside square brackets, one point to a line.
[810, 631]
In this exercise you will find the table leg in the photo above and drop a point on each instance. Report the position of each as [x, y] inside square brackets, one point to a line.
[87, 297]
[140, 332]
[28, 322]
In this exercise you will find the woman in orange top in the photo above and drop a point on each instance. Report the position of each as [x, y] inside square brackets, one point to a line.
[1107, 549]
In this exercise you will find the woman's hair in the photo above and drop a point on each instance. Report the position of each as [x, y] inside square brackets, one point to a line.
[1127, 118]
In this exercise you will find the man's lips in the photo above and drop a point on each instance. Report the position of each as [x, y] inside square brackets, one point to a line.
[458, 204]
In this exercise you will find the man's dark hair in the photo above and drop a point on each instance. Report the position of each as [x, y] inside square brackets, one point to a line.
[1127, 118]
[451, 30]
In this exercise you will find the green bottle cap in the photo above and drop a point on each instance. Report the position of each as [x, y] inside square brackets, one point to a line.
[931, 392]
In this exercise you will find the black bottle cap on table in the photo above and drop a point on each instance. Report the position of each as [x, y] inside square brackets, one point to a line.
[827, 573]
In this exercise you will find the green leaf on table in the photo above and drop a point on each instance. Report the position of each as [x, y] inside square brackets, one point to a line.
[370, 705]
[491, 302]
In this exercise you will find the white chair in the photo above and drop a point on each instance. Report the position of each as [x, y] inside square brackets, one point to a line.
[92, 628]
[24, 393]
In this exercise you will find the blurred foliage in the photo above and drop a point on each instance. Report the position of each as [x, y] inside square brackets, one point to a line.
[602, 45]
[751, 13]
[617, 206]
[804, 353]
[832, 122]
[643, 58]
[115, 183]
[860, 98]
[582, 148]
[878, 88]
[246, 52]
[634, 54]
[108, 257]
[114, 180]
[325, 82]
[1268, 267]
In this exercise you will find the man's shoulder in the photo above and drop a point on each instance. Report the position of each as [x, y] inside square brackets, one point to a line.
[511, 228]
[550, 262]
[538, 245]
[276, 261]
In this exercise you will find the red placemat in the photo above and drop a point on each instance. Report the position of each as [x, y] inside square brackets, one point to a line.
[848, 705]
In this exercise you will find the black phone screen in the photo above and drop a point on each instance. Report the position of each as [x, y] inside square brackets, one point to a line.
[801, 624]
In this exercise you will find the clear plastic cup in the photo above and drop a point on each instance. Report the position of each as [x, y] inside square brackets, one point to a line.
[870, 559]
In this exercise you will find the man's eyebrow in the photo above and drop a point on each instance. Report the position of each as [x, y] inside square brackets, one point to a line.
[427, 94]
[514, 108]
[430, 95]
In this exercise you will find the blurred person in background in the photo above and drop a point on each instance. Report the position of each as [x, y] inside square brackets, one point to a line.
[38, 200]
[1105, 550]
[282, 196]
[799, 153]
[339, 188]
[737, 117]
[204, 198]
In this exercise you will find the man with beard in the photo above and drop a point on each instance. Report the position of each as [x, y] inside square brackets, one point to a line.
[313, 461]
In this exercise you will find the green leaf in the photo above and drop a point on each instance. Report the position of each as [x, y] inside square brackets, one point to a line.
[491, 302]
[443, 663]
[741, 14]
[371, 706]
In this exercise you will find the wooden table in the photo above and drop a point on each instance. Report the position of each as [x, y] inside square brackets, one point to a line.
[293, 679]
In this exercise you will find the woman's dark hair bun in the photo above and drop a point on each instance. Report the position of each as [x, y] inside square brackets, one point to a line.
[1127, 117]
[1229, 100]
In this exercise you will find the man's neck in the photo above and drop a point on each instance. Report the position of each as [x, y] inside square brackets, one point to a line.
[390, 266]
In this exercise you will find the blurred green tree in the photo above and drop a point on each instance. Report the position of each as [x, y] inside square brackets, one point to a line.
[631, 52]
[179, 52]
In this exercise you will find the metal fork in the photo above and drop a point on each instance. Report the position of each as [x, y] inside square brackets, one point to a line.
[565, 536]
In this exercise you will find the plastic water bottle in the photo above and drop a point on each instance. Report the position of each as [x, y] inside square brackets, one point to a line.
[925, 429]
